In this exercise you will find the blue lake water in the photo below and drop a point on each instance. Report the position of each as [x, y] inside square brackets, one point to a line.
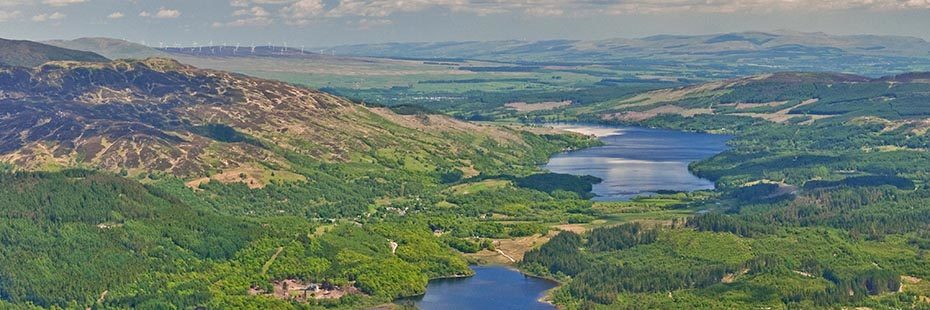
[636, 161]
[492, 287]
[633, 161]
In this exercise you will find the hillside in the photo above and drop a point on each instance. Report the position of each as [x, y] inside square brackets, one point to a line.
[800, 98]
[30, 54]
[159, 115]
[111, 48]
[153, 184]
[749, 51]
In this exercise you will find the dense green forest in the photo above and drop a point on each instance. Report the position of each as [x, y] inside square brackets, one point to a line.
[79, 238]
[820, 213]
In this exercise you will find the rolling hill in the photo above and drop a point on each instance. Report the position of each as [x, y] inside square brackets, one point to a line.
[111, 48]
[788, 97]
[30, 54]
[749, 51]
[160, 115]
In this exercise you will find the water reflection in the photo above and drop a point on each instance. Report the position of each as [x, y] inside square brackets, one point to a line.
[638, 160]
[492, 287]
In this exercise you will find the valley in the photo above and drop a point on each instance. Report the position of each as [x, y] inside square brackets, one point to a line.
[170, 182]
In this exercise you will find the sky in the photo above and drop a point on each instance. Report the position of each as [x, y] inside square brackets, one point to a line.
[335, 22]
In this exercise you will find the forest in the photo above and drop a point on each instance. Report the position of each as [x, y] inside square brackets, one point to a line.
[77, 238]
[821, 213]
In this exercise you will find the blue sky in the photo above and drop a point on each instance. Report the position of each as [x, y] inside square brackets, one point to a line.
[330, 22]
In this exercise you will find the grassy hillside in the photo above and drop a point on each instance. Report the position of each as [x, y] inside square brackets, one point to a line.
[152, 184]
[110, 48]
[30, 54]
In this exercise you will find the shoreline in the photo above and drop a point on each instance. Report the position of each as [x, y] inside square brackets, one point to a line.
[544, 297]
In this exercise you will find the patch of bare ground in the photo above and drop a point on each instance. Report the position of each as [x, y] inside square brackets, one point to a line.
[887, 125]
[917, 286]
[668, 95]
[891, 148]
[250, 176]
[297, 290]
[468, 169]
[109, 225]
[804, 273]
[782, 116]
[921, 127]
[541, 106]
[441, 123]
[783, 188]
[38, 155]
[731, 277]
[539, 130]
[510, 251]
[575, 228]
[745, 106]
[651, 113]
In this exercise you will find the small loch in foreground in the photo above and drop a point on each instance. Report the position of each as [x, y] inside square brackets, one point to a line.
[635, 160]
[492, 287]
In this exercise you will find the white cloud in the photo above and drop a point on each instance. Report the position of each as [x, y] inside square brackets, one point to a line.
[167, 13]
[116, 15]
[302, 11]
[242, 22]
[46, 17]
[255, 16]
[544, 11]
[255, 11]
[239, 3]
[9, 15]
[62, 2]
[162, 13]
[371, 12]
[366, 23]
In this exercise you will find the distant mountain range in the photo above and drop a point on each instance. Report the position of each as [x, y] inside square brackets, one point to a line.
[743, 53]
[667, 47]
[30, 54]
[120, 49]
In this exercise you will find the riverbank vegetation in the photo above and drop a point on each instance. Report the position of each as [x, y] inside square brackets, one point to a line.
[829, 210]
